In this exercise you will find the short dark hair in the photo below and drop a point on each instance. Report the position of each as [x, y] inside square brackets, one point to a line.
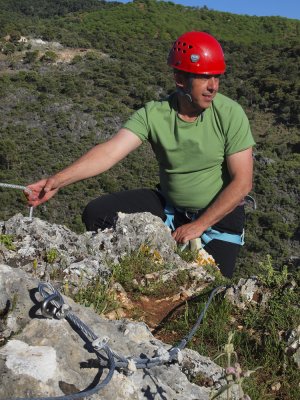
[182, 73]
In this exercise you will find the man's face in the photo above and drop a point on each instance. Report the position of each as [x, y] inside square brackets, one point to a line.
[203, 89]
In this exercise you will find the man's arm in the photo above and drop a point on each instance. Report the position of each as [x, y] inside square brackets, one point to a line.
[240, 167]
[97, 160]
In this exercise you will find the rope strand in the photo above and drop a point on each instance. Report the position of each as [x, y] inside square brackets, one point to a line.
[24, 188]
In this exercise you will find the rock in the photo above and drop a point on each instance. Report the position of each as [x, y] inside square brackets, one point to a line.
[47, 357]
[194, 364]
[293, 345]
[52, 248]
[296, 357]
[51, 251]
[131, 232]
[39, 362]
[276, 386]
[247, 291]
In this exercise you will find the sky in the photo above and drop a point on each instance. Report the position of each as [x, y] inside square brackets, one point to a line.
[282, 8]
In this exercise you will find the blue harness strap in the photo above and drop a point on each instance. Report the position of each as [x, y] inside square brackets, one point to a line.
[169, 213]
[210, 233]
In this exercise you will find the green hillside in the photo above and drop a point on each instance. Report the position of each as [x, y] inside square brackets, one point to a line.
[101, 61]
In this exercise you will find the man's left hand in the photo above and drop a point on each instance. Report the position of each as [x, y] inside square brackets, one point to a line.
[187, 232]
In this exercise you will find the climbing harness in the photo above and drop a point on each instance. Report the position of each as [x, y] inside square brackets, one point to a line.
[54, 306]
[11, 186]
[209, 234]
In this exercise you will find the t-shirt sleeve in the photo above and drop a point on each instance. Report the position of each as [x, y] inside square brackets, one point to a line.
[239, 136]
[138, 124]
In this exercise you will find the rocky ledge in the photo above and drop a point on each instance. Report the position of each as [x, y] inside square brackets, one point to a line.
[43, 357]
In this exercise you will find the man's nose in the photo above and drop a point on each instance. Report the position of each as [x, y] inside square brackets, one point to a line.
[213, 83]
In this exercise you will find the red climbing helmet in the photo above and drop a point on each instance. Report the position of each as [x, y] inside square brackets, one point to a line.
[197, 53]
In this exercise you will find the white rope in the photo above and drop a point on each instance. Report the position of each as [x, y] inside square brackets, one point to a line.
[11, 186]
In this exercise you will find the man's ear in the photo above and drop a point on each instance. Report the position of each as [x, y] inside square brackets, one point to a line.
[180, 80]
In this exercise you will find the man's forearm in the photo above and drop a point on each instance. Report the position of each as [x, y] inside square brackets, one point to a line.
[228, 199]
[99, 159]
[226, 202]
[90, 164]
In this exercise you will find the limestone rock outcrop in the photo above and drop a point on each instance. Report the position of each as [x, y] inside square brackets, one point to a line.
[47, 357]
[42, 357]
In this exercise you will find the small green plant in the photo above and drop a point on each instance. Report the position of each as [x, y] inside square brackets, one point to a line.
[14, 302]
[186, 314]
[97, 294]
[135, 266]
[186, 254]
[51, 256]
[271, 277]
[7, 240]
[34, 265]
[56, 274]
[234, 374]
[66, 288]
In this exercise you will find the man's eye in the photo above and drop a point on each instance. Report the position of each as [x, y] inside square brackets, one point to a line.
[207, 77]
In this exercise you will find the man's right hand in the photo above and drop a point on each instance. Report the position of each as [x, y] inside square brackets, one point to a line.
[41, 191]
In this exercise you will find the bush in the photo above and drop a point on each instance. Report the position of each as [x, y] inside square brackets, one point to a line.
[8, 48]
[49, 56]
[30, 56]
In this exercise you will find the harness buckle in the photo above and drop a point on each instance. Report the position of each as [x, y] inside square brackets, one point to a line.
[190, 215]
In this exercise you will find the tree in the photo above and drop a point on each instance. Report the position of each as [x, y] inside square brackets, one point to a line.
[49, 56]
[8, 48]
[15, 36]
[8, 153]
[30, 56]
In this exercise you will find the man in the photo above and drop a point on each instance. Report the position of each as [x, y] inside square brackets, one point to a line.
[203, 144]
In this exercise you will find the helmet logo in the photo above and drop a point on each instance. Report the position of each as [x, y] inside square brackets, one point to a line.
[195, 58]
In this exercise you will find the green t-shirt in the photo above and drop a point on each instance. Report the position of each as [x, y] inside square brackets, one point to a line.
[191, 155]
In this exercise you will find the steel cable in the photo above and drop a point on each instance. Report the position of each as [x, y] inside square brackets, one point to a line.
[123, 362]
[54, 305]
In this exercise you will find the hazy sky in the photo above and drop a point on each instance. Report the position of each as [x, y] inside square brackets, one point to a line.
[283, 8]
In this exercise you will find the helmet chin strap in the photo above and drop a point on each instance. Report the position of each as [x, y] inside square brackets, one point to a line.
[187, 92]
[189, 97]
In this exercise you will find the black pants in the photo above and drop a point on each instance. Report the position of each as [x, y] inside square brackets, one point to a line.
[102, 212]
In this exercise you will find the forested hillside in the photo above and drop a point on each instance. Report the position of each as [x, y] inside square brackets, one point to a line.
[72, 71]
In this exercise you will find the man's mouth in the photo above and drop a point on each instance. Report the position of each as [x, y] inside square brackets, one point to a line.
[208, 96]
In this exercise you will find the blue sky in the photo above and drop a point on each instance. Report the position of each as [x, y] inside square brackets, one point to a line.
[283, 8]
